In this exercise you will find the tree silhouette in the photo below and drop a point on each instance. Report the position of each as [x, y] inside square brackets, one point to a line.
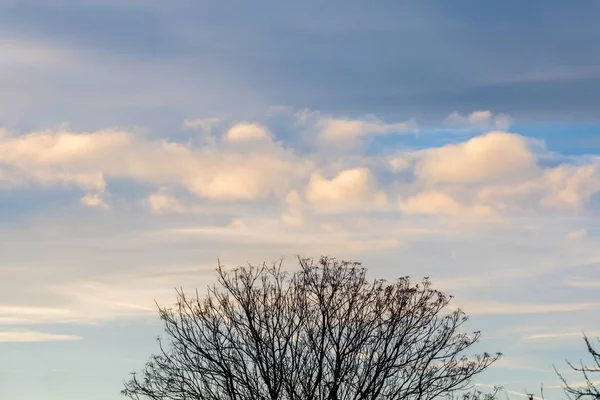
[588, 390]
[323, 332]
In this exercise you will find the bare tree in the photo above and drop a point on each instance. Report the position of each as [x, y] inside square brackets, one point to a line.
[587, 390]
[324, 332]
[475, 394]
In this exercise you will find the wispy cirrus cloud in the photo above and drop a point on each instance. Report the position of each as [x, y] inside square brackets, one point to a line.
[492, 308]
[28, 336]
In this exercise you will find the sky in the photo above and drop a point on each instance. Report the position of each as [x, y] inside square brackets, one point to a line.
[143, 141]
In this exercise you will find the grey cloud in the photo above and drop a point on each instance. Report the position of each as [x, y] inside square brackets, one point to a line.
[386, 58]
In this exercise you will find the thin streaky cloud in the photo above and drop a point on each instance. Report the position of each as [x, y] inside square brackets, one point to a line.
[29, 336]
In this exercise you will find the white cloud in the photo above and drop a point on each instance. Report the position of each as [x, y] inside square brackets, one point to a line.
[18, 314]
[162, 202]
[399, 164]
[294, 210]
[345, 132]
[384, 243]
[27, 336]
[247, 132]
[351, 188]
[94, 200]
[575, 384]
[341, 130]
[483, 119]
[490, 308]
[495, 156]
[434, 202]
[87, 160]
[496, 172]
[571, 186]
[560, 335]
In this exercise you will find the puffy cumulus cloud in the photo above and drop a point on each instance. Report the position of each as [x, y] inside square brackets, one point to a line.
[495, 173]
[348, 132]
[561, 188]
[349, 189]
[479, 119]
[87, 160]
[246, 132]
[570, 186]
[490, 157]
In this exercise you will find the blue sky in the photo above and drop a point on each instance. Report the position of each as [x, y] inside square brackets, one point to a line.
[142, 140]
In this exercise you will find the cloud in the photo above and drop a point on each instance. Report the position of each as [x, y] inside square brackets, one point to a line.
[434, 202]
[494, 173]
[507, 392]
[10, 315]
[246, 132]
[351, 188]
[491, 308]
[576, 384]
[399, 163]
[561, 335]
[294, 210]
[590, 284]
[94, 200]
[162, 202]
[201, 123]
[28, 336]
[578, 234]
[88, 160]
[237, 223]
[571, 186]
[384, 243]
[204, 126]
[502, 121]
[494, 156]
[347, 132]
[482, 119]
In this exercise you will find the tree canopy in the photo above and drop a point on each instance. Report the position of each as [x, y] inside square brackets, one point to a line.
[324, 331]
[588, 389]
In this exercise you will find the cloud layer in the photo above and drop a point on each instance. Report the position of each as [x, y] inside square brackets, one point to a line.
[493, 173]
